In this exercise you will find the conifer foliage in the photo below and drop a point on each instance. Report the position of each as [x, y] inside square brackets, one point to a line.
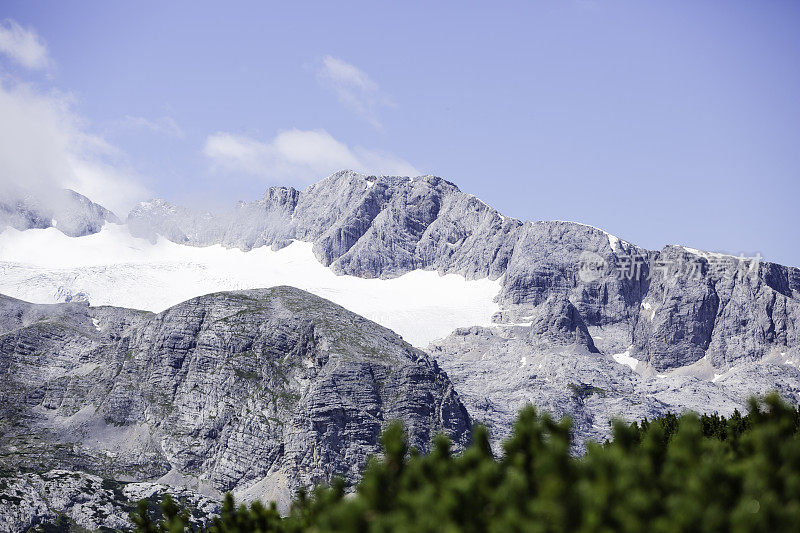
[684, 473]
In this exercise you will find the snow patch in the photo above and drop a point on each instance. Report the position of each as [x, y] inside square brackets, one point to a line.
[625, 358]
[613, 241]
[719, 255]
[112, 267]
[649, 311]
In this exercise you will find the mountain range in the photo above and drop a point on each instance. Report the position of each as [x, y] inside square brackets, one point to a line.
[167, 352]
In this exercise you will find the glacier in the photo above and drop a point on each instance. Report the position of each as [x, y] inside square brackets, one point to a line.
[112, 267]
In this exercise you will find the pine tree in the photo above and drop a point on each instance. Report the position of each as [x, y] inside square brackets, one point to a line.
[674, 473]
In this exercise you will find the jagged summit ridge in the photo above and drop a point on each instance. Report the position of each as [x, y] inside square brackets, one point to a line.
[381, 227]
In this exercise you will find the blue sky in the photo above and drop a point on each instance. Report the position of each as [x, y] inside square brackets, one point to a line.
[661, 122]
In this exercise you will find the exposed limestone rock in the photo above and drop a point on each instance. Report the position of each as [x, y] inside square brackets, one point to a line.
[64, 501]
[262, 391]
[675, 306]
[257, 391]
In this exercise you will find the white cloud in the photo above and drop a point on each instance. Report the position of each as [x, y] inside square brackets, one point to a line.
[354, 88]
[44, 142]
[23, 45]
[298, 156]
[164, 125]
[44, 145]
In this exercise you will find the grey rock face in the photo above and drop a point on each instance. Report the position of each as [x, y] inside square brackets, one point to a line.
[731, 318]
[499, 370]
[385, 226]
[65, 500]
[679, 329]
[671, 309]
[255, 391]
[547, 259]
[557, 321]
[66, 210]
[362, 225]
[702, 338]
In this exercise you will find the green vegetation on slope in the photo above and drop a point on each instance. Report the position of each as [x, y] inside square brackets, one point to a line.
[685, 473]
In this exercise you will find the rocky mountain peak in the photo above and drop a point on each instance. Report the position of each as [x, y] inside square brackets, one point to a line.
[64, 209]
[257, 391]
[556, 320]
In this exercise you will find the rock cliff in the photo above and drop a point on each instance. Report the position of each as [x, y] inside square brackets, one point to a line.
[257, 392]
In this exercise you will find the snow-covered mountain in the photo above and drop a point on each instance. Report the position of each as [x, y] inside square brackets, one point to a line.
[71, 213]
[559, 314]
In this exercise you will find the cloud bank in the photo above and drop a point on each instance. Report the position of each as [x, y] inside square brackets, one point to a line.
[299, 157]
[354, 88]
[24, 46]
[44, 146]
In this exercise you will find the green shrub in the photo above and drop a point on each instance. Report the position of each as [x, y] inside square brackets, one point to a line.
[674, 473]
